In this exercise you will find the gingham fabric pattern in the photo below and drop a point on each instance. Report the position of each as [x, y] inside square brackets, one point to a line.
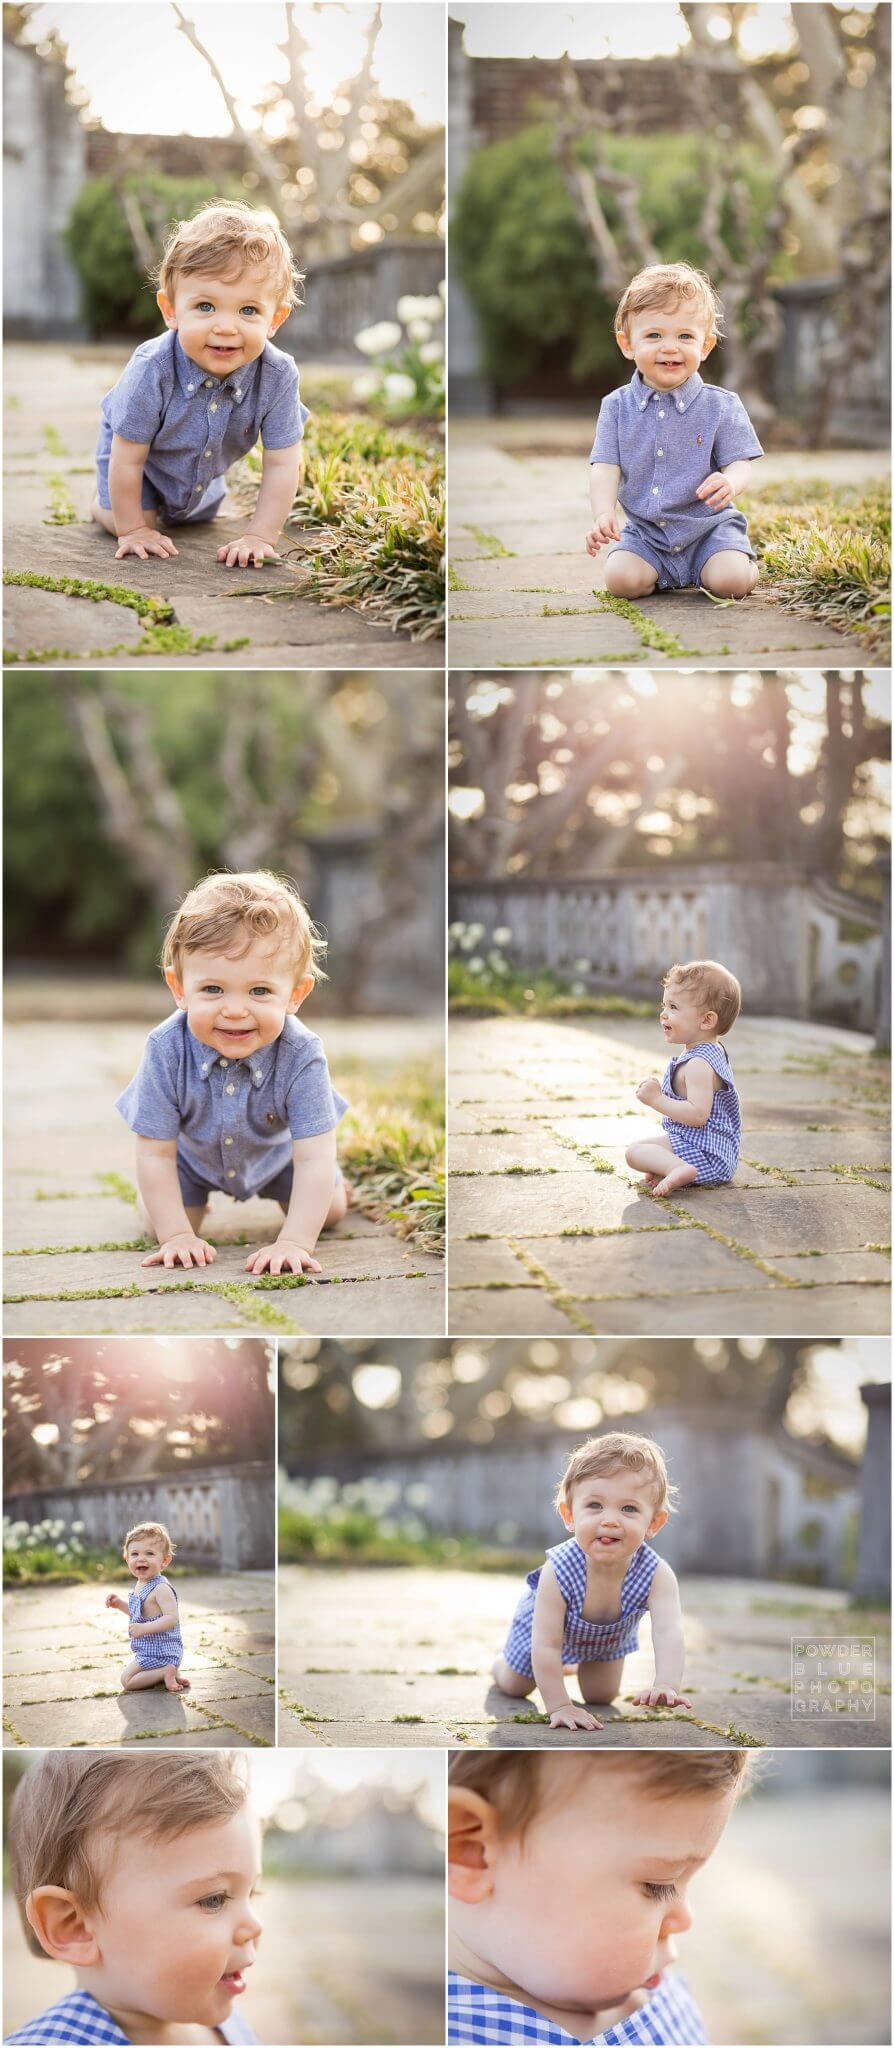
[584, 1641]
[477, 2014]
[79, 2018]
[712, 1148]
[164, 1648]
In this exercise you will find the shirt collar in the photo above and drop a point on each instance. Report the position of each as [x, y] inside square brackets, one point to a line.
[238, 385]
[206, 1059]
[681, 398]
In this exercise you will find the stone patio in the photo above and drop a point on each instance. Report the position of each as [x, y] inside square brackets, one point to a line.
[64, 1651]
[52, 398]
[369, 1657]
[551, 1233]
[73, 1241]
[524, 590]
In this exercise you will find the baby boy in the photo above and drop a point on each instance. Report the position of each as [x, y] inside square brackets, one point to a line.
[140, 1874]
[195, 399]
[676, 452]
[233, 1092]
[581, 1610]
[152, 1610]
[701, 1115]
[568, 1881]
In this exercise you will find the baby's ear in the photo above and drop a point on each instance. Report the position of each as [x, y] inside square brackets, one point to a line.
[567, 1513]
[57, 1919]
[301, 989]
[280, 317]
[166, 309]
[624, 343]
[473, 1833]
[658, 1521]
[176, 987]
[710, 341]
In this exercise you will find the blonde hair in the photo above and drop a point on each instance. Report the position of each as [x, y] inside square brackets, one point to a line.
[225, 908]
[670, 284]
[618, 1452]
[517, 1785]
[68, 1811]
[147, 1529]
[712, 985]
[224, 235]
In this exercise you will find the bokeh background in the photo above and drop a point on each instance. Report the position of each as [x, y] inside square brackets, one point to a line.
[749, 140]
[352, 1906]
[603, 824]
[452, 1453]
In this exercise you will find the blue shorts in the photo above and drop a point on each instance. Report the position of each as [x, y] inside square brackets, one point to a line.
[152, 501]
[679, 568]
[195, 1192]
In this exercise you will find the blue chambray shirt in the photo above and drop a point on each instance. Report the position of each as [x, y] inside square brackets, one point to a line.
[665, 444]
[234, 1120]
[196, 425]
[78, 2018]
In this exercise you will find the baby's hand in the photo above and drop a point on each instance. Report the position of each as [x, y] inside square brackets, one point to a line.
[183, 1249]
[603, 529]
[285, 1256]
[252, 550]
[717, 490]
[143, 542]
[115, 1600]
[137, 1628]
[649, 1092]
[660, 1696]
[573, 1717]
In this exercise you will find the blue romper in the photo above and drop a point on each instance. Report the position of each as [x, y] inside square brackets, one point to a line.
[476, 2013]
[712, 1148]
[584, 1641]
[79, 2019]
[167, 1646]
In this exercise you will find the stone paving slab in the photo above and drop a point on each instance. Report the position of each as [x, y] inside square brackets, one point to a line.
[55, 388]
[518, 517]
[359, 1664]
[64, 1652]
[799, 1243]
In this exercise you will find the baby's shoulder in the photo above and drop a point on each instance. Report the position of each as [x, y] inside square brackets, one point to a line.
[279, 370]
[297, 1046]
[152, 361]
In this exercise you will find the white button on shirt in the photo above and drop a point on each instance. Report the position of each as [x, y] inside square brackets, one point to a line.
[229, 1089]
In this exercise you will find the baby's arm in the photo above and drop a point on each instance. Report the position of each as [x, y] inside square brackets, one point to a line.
[279, 482]
[168, 1618]
[605, 480]
[723, 485]
[667, 1642]
[115, 1600]
[127, 462]
[159, 1185]
[313, 1184]
[698, 1081]
[547, 1632]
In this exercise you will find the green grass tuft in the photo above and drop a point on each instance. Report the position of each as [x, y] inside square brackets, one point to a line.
[827, 549]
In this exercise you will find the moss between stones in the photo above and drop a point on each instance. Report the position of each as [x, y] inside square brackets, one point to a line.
[649, 633]
[732, 1244]
[489, 542]
[564, 1303]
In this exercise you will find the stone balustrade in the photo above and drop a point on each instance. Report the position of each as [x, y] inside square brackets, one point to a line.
[800, 947]
[222, 1516]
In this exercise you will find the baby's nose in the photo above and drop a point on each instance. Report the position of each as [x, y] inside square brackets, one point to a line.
[677, 1919]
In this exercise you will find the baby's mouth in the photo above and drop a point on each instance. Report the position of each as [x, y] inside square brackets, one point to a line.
[233, 1982]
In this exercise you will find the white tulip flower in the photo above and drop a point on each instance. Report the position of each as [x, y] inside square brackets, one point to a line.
[374, 341]
[398, 386]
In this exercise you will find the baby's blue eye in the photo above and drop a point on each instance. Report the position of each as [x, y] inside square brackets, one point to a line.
[214, 1902]
[660, 1891]
[204, 306]
[260, 991]
[249, 309]
[211, 988]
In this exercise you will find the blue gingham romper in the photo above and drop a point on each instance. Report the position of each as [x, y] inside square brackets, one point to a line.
[712, 1148]
[167, 1646]
[475, 2013]
[79, 2021]
[584, 1641]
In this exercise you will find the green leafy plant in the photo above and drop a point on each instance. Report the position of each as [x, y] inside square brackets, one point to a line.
[827, 550]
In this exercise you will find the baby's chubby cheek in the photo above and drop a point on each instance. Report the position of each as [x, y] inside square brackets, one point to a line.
[577, 1952]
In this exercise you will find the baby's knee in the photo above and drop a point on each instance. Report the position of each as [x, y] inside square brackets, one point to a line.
[730, 575]
[512, 1682]
[627, 575]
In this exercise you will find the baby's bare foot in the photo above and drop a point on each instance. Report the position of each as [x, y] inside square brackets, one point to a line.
[680, 1177]
[173, 1680]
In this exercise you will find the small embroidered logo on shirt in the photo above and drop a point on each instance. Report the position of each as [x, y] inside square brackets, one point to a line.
[699, 439]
